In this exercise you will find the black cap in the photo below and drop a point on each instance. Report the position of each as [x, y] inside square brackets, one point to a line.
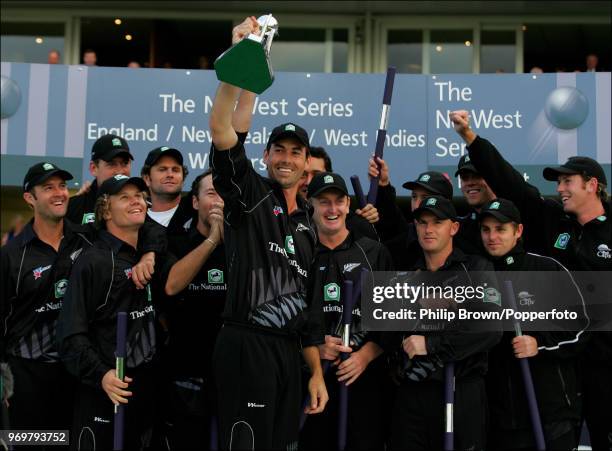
[577, 165]
[114, 184]
[465, 164]
[440, 206]
[41, 172]
[434, 182]
[288, 130]
[324, 181]
[158, 152]
[108, 147]
[503, 210]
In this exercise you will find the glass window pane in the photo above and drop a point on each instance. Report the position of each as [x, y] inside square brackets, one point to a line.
[405, 50]
[31, 42]
[304, 50]
[451, 51]
[497, 51]
[340, 50]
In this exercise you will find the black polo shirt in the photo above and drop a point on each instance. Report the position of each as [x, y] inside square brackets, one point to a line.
[34, 282]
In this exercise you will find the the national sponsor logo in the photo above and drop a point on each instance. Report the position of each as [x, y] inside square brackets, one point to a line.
[562, 241]
[60, 288]
[491, 295]
[348, 267]
[603, 251]
[88, 218]
[38, 272]
[215, 276]
[277, 210]
[331, 292]
[289, 246]
[49, 307]
[135, 314]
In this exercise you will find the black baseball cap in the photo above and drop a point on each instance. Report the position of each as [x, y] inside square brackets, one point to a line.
[114, 184]
[40, 172]
[440, 206]
[158, 152]
[503, 210]
[577, 165]
[465, 164]
[108, 147]
[324, 181]
[434, 182]
[288, 130]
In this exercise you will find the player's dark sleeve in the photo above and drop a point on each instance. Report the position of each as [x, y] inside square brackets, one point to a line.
[392, 221]
[360, 227]
[85, 288]
[153, 237]
[313, 331]
[383, 262]
[501, 176]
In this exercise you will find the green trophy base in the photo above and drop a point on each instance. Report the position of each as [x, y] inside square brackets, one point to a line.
[246, 66]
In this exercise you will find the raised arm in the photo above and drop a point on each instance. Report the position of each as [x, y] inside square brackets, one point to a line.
[222, 114]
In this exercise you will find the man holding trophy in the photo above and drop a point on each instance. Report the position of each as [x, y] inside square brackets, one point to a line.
[269, 247]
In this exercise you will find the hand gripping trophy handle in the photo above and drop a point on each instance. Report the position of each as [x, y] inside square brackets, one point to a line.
[247, 64]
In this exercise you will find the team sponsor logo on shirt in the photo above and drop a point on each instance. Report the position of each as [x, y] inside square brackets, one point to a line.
[526, 298]
[289, 246]
[492, 296]
[348, 267]
[60, 288]
[277, 210]
[331, 292]
[88, 218]
[128, 273]
[38, 271]
[215, 276]
[603, 251]
[562, 241]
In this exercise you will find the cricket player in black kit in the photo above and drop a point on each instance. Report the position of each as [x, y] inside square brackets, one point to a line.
[269, 246]
[193, 317]
[36, 266]
[553, 355]
[577, 232]
[339, 256]
[417, 421]
[99, 287]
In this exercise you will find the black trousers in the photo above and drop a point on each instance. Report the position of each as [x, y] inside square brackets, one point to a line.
[258, 387]
[93, 426]
[597, 392]
[42, 397]
[369, 409]
[188, 410]
[418, 415]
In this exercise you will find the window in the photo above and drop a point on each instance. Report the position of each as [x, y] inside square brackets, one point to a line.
[31, 42]
[497, 51]
[405, 50]
[310, 50]
[451, 52]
